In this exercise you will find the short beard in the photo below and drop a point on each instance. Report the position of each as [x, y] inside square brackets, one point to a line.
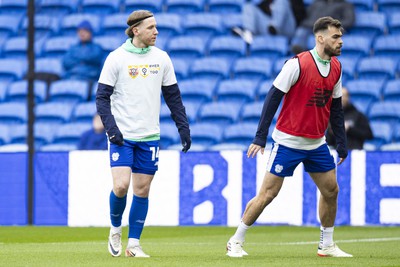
[331, 52]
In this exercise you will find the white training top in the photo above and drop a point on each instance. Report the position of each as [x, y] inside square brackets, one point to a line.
[137, 81]
[284, 81]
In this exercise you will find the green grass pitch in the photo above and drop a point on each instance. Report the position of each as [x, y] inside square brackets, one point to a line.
[197, 246]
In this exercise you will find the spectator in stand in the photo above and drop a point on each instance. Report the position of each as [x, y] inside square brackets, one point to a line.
[84, 60]
[275, 17]
[356, 125]
[337, 9]
[95, 138]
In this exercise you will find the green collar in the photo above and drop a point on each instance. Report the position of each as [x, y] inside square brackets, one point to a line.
[323, 61]
[128, 46]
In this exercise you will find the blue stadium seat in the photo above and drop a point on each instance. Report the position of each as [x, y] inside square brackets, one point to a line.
[382, 132]
[69, 91]
[108, 43]
[18, 133]
[58, 8]
[251, 112]
[13, 113]
[203, 24]
[168, 25]
[48, 69]
[43, 134]
[252, 68]
[100, 7]
[210, 68]
[225, 6]
[154, 6]
[70, 133]
[222, 113]
[69, 23]
[228, 47]
[269, 46]
[3, 90]
[84, 112]
[56, 47]
[370, 23]
[264, 88]
[15, 47]
[363, 5]
[206, 134]
[394, 23]
[349, 66]
[4, 134]
[382, 68]
[181, 68]
[165, 114]
[18, 91]
[115, 25]
[363, 105]
[394, 146]
[18, 7]
[186, 47]
[9, 25]
[365, 89]
[391, 91]
[197, 90]
[387, 45]
[168, 134]
[278, 65]
[388, 6]
[240, 133]
[385, 111]
[235, 20]
[185, 6]
[12, 69]
[237, 90]
[54, 113]
[356, 46]
[396, 134]
[45, 25]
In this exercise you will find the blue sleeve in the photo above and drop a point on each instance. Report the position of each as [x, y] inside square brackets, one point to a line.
[337, 124]
[103, 106]
[271, 104]
[172, 97]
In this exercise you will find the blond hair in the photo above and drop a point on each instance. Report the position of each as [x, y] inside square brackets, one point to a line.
[135, 18]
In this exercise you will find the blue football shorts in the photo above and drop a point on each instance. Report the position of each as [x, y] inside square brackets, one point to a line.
[283, 160]
[142, 157]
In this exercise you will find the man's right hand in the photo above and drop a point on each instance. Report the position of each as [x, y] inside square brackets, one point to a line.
[115, 137]
[253, 150]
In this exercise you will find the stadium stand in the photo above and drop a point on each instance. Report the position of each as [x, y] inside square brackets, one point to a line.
[155, 6]
[370, 60]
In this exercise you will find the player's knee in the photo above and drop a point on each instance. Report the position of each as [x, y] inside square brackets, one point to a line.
[120, 190]
[332, 192]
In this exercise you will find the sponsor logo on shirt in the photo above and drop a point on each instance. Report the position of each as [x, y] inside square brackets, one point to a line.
[320, 97]
[143, 70]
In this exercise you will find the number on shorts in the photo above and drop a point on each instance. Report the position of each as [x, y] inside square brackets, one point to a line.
[154, 152]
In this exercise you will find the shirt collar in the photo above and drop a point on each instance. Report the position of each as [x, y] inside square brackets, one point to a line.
[323, 61]
[128, 46]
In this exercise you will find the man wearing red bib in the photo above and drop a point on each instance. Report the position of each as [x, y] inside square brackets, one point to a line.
[310, 85]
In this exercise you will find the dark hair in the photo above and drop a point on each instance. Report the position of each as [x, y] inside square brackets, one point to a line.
[323, 23]
[135, 18]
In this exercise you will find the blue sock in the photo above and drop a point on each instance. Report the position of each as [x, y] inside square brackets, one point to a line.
[137, 216]
[117, 207]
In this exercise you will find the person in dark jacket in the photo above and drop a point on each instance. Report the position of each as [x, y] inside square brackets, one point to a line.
[95, 138]
[356, 125]
[337, 9]
[84, 59]
[274, 17]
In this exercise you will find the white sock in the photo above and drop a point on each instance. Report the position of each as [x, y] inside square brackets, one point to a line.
[133, 242]
[241, 232]
[326, 237]
[115, 230]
